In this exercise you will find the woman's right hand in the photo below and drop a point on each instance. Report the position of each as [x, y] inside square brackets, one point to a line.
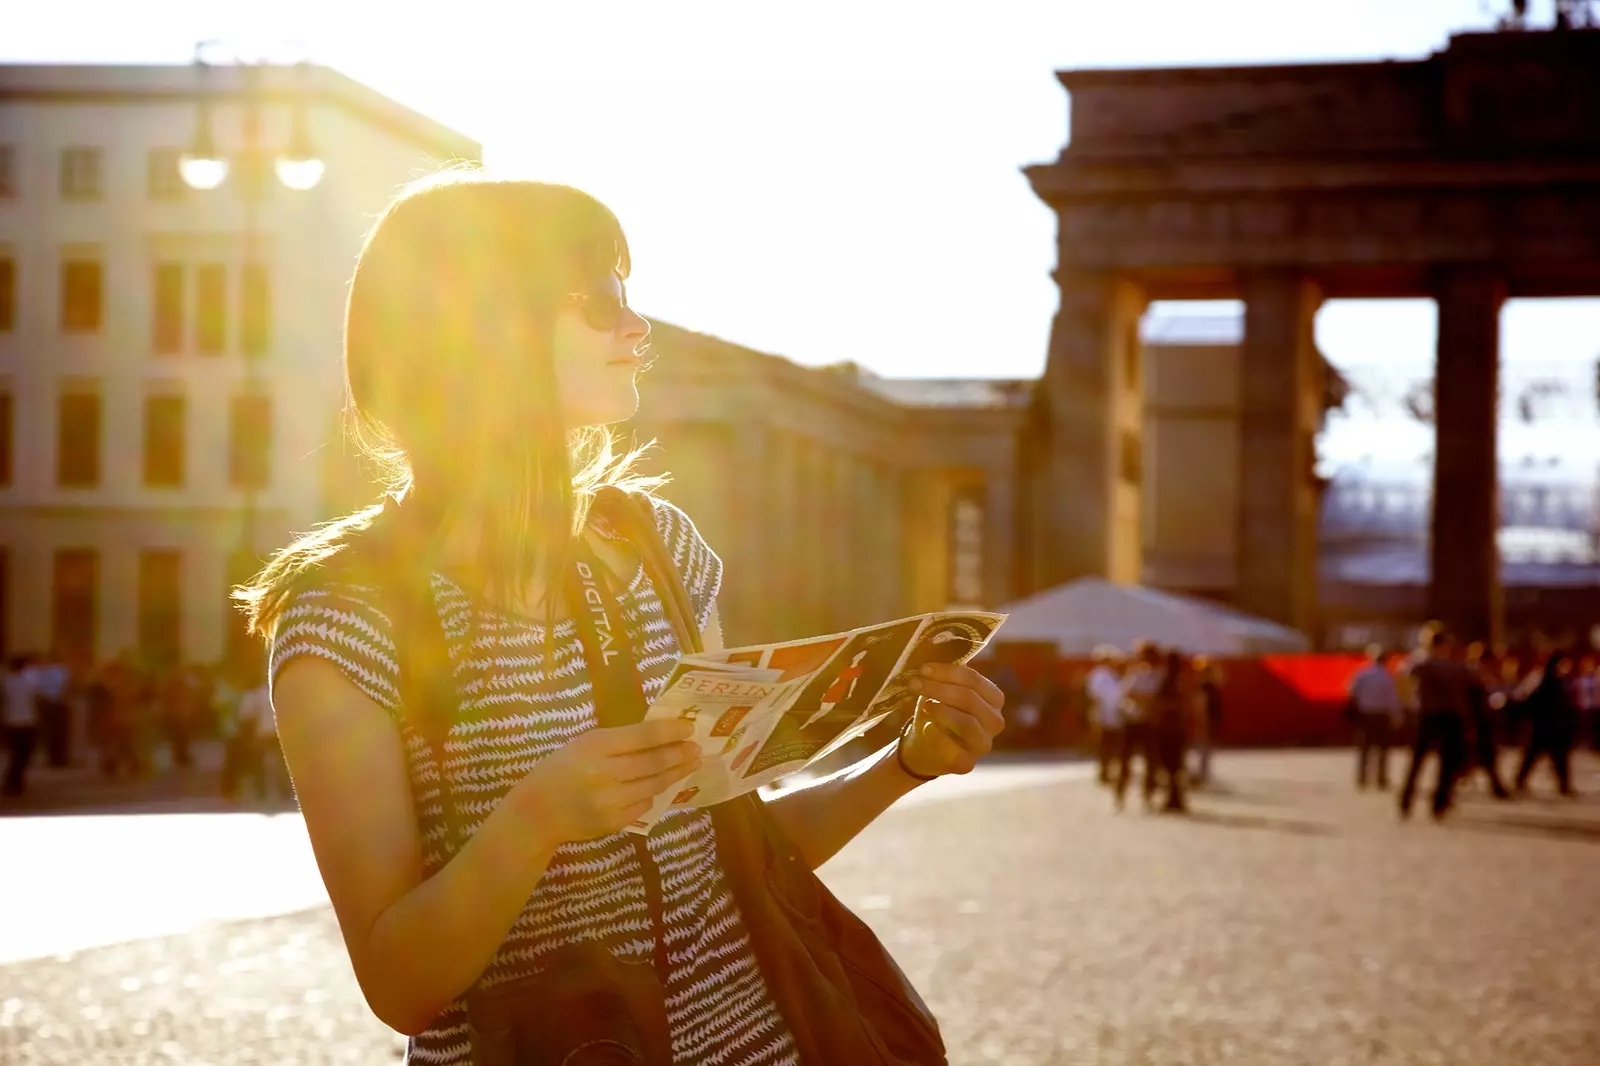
[600, 782]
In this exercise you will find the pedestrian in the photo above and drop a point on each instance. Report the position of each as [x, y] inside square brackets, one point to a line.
[466, 747]
[121, 688]
[55, 723]
[175, 693]
[1139, 687]
[1209, 724]
[1443, 705]
[1552, 721]
[1484, 752]
[1375, 715]
[1170, 723]
[21, 721]
[261, 760]
[1587, 701]
[1104, 687]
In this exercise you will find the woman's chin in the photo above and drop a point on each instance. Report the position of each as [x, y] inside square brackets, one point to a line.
[618, 409]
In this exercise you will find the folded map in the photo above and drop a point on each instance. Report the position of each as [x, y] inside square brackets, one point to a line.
[765, 711]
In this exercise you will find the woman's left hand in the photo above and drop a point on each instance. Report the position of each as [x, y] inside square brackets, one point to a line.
[957, 718]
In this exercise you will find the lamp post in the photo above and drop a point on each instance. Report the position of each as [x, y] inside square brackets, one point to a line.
[203, 167]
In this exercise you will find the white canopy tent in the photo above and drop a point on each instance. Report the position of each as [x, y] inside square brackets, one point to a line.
[1079, 616]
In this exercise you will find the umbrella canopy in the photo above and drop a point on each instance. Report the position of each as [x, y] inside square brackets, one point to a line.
[1081, 615]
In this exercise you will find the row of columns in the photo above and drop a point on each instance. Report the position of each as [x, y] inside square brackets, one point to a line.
[1087, 514]
[813, 536]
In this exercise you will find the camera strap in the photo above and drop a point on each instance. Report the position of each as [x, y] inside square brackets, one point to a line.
[618, 698]
[426, 670]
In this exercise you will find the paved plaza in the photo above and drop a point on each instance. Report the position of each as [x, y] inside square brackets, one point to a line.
[1288, 920]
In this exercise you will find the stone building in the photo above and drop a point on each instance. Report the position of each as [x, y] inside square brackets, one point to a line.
[169, 358]
[138, 472]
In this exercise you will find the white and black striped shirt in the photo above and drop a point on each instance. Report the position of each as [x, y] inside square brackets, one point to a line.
[515, 711]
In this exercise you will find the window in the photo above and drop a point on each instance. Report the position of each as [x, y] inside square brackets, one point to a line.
[80, 173]
[163, 180]
[166, 319]
[211, 300]
[250, 444]
[163, 441]
[966, 547]
[80, 295]
[8, 294]
[7, 415]
[8, 171]
[72, 615]
[78, 440]
[255, 309]
[160, 606]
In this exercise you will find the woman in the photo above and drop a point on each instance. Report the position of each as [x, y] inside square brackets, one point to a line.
[487, 341]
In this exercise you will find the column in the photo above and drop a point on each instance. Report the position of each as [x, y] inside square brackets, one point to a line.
[1087, 522]
[1279, 399]
[1464, 588]
[746, 562]
[999, 547]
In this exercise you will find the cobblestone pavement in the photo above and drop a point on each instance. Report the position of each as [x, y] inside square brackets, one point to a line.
[1288, 920]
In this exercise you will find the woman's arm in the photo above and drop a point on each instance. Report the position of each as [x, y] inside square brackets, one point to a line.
[418, 944]
[957, 718]
[824, 816]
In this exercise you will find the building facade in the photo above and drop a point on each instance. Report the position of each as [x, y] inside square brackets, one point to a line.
[169, 358]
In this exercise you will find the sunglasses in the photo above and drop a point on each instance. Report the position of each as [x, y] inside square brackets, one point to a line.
[603, 311]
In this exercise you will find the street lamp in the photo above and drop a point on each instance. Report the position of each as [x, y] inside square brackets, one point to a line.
[204, 167]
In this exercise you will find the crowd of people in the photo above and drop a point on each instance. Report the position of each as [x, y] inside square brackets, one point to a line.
[128, 720]
[1157, 705]
[1462, 706]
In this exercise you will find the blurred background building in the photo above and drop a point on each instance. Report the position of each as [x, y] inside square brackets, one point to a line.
[170, 381]
[169, 356]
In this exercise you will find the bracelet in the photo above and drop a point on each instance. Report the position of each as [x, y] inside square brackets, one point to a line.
[900, 757]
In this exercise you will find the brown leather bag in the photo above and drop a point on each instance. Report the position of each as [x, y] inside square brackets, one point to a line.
[845, 1000]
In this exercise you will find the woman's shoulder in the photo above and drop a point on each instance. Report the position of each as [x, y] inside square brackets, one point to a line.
[697, 563]
[342, 622]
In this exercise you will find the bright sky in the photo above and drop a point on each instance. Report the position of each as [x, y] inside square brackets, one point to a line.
[831, 180]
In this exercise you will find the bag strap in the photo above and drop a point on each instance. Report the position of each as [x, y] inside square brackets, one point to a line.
[632, 517]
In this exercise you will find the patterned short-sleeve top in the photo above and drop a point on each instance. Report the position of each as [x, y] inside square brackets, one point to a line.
[514, 712]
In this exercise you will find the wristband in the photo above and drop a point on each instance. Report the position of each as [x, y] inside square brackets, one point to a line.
[900, 756]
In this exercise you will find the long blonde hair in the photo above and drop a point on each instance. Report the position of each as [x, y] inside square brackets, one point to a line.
[450, 389]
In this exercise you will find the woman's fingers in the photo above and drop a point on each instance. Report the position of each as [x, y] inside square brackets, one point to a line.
[641, 736]
[961, 725]
[964, 698]
[645, 764]
[950, 673]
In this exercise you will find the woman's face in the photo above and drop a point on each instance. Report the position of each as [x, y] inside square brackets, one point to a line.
[596, 348]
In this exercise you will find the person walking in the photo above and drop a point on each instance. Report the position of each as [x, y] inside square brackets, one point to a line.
[20, 691]
[1552, 718]
[465, 738]
[1586, 699]
[1106, 707]
[52, 677]
[1484, 722]
[1171, 723]
[1443, 705]
[1210, 679]
[1139, 687]
[1375, 713]
[119, 691]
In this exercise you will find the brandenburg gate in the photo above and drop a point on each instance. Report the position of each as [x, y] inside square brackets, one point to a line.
[1468, 177]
